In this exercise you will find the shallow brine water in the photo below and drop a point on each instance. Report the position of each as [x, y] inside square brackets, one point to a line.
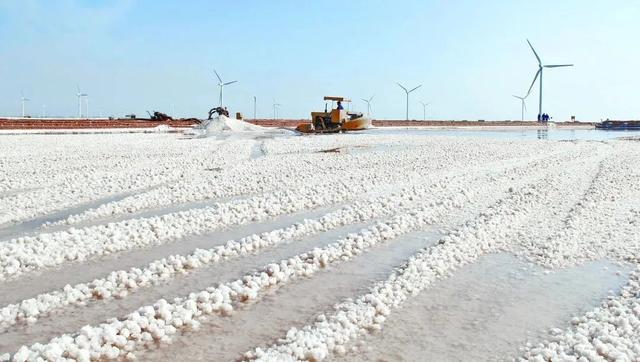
[552, 134]
[487, 310]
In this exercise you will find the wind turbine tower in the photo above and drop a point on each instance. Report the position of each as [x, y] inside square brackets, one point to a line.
[255, 101]
[276, 105]
[86, 106]
[80, 95]
[407, 92]
[368, 102]
[539, 73]
[424, 110]
[23, 100]
[222, 84]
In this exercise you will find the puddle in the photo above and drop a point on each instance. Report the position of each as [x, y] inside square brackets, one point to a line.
[293, 305]
[487, 310]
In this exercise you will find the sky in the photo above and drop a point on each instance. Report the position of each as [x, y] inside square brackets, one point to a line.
[470, 56]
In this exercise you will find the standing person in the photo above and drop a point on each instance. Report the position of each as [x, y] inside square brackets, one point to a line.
[539, 117]
[340, 107]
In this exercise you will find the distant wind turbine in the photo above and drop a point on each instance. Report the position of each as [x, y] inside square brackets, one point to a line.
[368, 101]
[221, 85]
[424, 110]
[255, 101]
[23, 100]
[276, 105]
[407, 92]
[80, 95]
[539, 73]
[524, 106]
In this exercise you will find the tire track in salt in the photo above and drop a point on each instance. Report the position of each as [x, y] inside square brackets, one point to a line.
[46, 250]
[32, 284]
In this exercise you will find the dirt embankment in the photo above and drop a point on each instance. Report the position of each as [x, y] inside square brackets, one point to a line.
[27, 123]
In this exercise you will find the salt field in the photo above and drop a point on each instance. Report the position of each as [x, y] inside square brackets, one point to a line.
[382, 245]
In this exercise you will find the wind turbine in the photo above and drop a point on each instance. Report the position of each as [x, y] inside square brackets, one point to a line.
[539, 73]
[407, 92]
[221, 85]
[80, 95]
[275, 108]
[424, 110]
[23, 100]
[255, 101]
[368, 101]
[524, 106]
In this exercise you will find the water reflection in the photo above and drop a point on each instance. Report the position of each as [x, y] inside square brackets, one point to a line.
[543, 134]
[512, 134]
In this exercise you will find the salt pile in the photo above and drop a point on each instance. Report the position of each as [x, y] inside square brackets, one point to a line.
[223, 125]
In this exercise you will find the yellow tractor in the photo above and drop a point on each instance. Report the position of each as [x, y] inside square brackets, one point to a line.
[336, 120]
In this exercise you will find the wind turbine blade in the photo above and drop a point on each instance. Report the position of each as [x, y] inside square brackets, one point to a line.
[217, 75]
[365, 100]
[534, 53]
[525, 106]
[415, 88]
[558, 65]
[370, 99]
[405, 89]
[227, 83]
[516, 96]
[534, 80]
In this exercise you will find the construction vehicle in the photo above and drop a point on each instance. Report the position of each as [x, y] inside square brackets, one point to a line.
[334, 121]
[159, 117]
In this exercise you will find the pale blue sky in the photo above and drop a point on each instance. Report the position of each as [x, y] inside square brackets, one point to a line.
[470, 56]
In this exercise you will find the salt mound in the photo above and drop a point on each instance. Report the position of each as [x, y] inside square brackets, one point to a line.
[225, 125]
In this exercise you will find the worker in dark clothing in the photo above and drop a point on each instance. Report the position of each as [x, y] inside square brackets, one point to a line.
[340, 107]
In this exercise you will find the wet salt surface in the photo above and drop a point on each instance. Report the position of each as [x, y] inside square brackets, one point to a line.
[488, 310]
[72, 273]
[296, 304]
[148, 212]
[73, 318]
[9, 231]
[553, 134]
